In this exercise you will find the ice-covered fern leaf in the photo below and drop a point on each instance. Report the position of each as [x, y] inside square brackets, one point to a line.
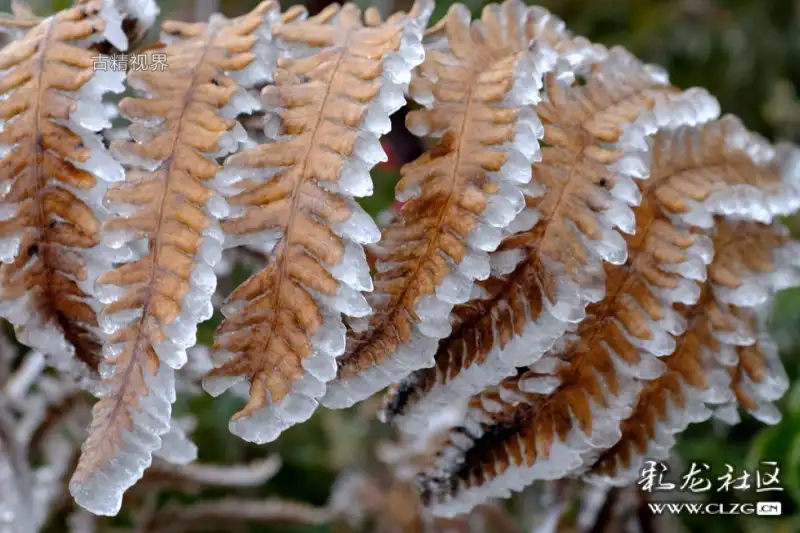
[756, 262]
[167, 239]
[335, 87]
[730, 171]
[479, 80]
[595, 125]
[566, 408]
[54, 171]
[725, 355]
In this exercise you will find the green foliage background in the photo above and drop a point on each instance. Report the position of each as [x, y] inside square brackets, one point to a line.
[746, 53]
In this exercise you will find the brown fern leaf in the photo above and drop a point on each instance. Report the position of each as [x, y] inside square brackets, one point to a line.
[568, 406]
[770, 262]
[560, 412]
[666, 405]
[54, 171]
[478, 81]
[724, 354]
[545, 275]
[253, 122]
[740, 174]
[757, 379]
[165, 218]
[334, 91]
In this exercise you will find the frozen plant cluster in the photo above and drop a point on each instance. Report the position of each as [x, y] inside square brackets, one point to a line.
[561, 244]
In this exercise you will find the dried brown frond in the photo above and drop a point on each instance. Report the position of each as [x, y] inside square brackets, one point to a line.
[53, 172]
[478, 81]
[724, 169]
[546, 274]
[722, 342]
[564, 411]
[756, 262]
[332, 97]
[160, 292]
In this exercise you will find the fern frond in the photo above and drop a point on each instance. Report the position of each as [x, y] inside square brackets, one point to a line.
[740, 174]
[335, 88]
[580, 265]
[478, 80]
[764, 260]
[560, 415]
[165, 219]
[724, 356]
[54, 171]
[595, 126]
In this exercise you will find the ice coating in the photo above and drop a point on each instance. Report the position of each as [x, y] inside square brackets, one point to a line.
[724, 358]
[499, 211]
[678, 417]
[451, 490]
[679, 396]
[610, 337]
[754, 366]
[690, 383]
[431, 310]
[160, 288]
[176, 447]
[748, 178]
[437, 387]
[143, 11]
[646, 326]
[266, 424]
[34, 312]
[264, 418]
[101, 492]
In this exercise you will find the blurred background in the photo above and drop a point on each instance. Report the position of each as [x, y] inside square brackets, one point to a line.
[747, 54]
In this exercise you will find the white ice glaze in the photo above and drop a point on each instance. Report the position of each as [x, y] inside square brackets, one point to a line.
[328, 342]
[502, 207]
[670, 110]
[102, 492]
